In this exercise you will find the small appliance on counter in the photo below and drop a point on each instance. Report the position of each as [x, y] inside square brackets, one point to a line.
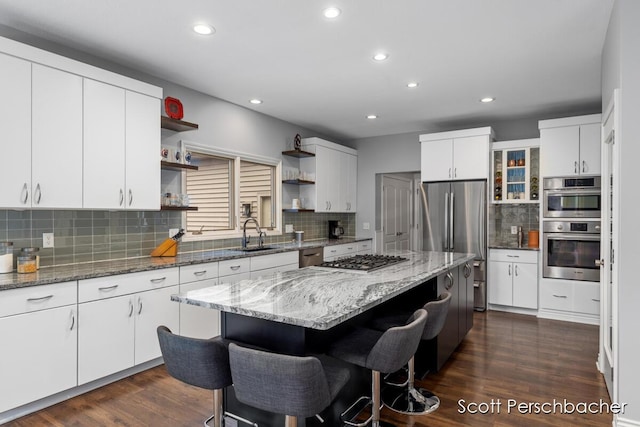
[169, 247]
[336, 231]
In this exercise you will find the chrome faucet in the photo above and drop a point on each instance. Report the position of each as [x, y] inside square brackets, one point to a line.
[246, 239]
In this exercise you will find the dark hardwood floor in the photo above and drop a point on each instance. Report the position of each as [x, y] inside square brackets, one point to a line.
[505, 356]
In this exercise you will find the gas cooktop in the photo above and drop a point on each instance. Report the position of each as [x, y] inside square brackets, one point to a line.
[364, 263]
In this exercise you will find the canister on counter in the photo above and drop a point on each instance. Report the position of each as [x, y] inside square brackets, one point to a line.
[6, 257]
[534, 237]
[27, 264]
[32, 251]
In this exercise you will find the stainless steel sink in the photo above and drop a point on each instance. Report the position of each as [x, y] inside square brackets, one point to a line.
[256, 248]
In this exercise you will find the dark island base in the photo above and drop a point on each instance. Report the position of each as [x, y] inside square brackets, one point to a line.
[297, 340]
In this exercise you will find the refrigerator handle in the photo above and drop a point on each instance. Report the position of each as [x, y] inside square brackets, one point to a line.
[451, 217]
[446, 221]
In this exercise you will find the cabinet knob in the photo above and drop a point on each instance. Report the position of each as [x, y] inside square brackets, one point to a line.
[599, 263]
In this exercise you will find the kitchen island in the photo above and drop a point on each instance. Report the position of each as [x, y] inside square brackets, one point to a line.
[301, 311]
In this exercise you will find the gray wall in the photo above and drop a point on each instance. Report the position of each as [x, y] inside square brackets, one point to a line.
[621, 68]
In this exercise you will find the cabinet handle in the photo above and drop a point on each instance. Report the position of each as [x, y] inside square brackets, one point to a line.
[130, 308]
[199, 273]
[559, 296]
[449, 172]
[234, 267]
[73, 320]
[329, 205]
[158, 280]
[139, 305]
[467, 270]
[455, 172]
[130, 197]
[40, 298]
[509, 269]
[513, 256]
[121, 196]
[39, 194]
[584, 166]
[575, 167]
[25, 191]
[516, 270]
[595, 299]
[108, 288]
[448, 285]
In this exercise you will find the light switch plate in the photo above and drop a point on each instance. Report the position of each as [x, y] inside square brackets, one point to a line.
[514, 229]
[365, 225]
[288, 228]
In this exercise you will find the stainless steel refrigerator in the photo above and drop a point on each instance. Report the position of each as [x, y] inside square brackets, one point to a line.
[454, 220]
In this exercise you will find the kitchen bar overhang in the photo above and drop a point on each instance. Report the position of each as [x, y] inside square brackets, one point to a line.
[302, 311]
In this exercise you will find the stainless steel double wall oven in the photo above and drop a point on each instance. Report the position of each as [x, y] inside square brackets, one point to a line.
[571, 228]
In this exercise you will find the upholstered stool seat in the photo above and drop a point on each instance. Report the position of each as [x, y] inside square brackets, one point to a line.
[294, 386]
[408, 399]
[382, 352]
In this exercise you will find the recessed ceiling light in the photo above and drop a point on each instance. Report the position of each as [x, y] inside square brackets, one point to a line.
[204, 29]
[380, 56]
[255, 101]
[412, 84]
[487, 100]
[372, 116]
[331, 12]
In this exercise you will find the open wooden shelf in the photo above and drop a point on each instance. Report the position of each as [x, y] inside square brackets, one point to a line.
[298, 210]
[297, 181]
[176, 125]
[298, 153]
[177, 166]
[178, 208]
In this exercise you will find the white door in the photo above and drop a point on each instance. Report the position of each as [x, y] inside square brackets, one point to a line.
[396, 213]
[436, 160]
[105, 337]
[104, 149]
[471, 158]
[195, 321]
[608, 245]
[501, 283]
[15, 121]
[560, 151]
[525, 285]
[38, 356]
[142, 130]
[154, 308]
[324, 178]
[56, 139]
[590, 147]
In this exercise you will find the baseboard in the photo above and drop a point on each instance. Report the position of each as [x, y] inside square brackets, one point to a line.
[566, 316]
[509, 309]
[38, 405]
[624, 422]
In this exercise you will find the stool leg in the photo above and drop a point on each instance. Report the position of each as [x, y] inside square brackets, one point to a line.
[375, 404]
[290, 421]
[217, 408]
[409, 400]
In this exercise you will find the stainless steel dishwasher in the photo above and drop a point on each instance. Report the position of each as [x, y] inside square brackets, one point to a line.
[310, 256]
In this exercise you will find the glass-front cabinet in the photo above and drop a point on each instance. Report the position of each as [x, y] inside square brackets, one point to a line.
[515, 167]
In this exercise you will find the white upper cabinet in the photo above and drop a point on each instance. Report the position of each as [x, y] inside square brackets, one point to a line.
[56, 142]
[336, 170]
[456, 155]
[79, 137]
[142, 148]
[570, 146]
[104, 146]
[15, 119]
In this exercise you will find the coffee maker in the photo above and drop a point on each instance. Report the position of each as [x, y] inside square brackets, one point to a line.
[336, 231]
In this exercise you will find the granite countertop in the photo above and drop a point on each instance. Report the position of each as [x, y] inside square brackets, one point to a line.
[514, 247]
[320, 298]
[65, 273]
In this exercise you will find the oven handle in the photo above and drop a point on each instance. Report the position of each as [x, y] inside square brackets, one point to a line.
[592, 237]
[572, 192]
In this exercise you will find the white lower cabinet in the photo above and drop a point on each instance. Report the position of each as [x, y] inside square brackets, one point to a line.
[117, 329]
[582, 298]
[274, 263]
[513, 278]
[195, 321]
[334, 252]
[365, 247]
[39, 345]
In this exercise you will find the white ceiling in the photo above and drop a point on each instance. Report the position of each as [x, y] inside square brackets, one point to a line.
[537, 57]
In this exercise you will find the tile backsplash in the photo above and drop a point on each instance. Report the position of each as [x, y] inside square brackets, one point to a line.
[503, 216]
[86, 236]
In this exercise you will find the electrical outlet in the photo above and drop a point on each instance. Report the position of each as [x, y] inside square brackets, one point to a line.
[365, 225]
[288, 228]
[173, 231]
[47, 240]
[514, 229]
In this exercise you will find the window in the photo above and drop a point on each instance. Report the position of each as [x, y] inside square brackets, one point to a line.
[227, 189]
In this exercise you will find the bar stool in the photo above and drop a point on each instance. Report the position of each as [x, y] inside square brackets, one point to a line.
[202, 363]
[294, 386]
[408, 399]
[379, 351]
